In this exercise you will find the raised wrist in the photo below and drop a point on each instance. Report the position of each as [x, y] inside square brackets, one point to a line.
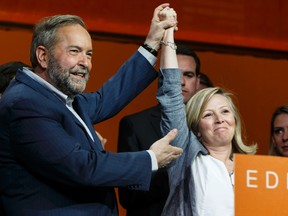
[170, 44]
[150, 49]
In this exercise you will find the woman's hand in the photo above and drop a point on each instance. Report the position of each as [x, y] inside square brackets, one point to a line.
[170, 15]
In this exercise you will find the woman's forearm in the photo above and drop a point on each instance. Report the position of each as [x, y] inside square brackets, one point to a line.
[168, 47]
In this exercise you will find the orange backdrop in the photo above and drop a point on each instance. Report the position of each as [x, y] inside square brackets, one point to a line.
[255, 24]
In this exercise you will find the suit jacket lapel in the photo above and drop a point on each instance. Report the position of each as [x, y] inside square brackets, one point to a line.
[77, 107]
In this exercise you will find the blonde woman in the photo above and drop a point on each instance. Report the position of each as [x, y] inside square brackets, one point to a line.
[202, 180]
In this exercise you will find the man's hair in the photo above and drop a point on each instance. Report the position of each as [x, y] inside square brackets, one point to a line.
[184, 50]
[45, 32]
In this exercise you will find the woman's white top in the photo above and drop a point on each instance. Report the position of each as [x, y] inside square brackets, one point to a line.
[214, 187]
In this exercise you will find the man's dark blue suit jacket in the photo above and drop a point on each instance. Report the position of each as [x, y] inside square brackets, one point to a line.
[48, 163]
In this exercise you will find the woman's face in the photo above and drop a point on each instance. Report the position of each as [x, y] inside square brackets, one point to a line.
[280, 134]
[217, 123]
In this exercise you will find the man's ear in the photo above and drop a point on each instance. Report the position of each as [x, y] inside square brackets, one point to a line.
[42, 56]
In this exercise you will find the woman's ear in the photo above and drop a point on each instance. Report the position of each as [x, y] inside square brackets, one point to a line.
[42, 56]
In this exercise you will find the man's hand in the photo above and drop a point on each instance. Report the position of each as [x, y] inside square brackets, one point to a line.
[165, 152]
[158, 27]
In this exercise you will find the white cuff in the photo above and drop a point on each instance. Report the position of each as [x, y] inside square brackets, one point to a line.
[154, 162]
[149, 56]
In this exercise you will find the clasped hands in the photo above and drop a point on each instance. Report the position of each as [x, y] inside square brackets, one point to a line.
[169, 14]
[164, 18]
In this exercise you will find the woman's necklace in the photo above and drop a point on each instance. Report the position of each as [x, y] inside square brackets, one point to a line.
[230, 169]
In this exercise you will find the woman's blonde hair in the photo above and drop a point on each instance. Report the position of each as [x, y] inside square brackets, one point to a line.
[195, 108]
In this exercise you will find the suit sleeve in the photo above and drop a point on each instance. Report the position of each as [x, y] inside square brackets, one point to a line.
[47, 146]
[132, 78]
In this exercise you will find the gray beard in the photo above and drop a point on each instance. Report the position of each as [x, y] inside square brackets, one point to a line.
[61, 78]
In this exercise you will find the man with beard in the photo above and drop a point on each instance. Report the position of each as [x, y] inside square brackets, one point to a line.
[52, 162]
